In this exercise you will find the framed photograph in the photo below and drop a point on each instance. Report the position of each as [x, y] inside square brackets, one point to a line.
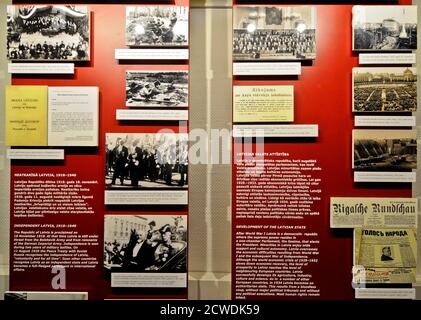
[384, 150]
[146, 250]
[48, 33]
[146, 161]
[384, 89]
[157, 26]
[157, 88]
[274, 33]
[263, 104]
[388, 28]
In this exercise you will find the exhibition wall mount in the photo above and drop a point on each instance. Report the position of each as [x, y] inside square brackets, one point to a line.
[114, 216]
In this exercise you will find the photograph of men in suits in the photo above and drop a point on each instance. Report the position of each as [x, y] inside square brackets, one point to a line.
[146, 160]
[121, 154]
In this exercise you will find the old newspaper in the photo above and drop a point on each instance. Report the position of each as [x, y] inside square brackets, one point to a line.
[384, 255]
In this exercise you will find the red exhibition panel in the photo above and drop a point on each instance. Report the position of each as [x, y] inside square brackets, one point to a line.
[277, 253]
[83, 171]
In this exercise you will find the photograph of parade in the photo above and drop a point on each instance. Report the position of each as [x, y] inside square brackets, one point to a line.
[143, 243]
[157, 26]
[384, 28]
[143, 160]
[384, 89]
[157, 88]
[384, 150]
[48, 33]
[274, 33]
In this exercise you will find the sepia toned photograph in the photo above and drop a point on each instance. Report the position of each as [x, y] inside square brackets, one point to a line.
[384, 150]
[274, 33]
[48, 33]
[384, 90]
[387, 28]
[157, 88]
[145, 243]
[144, 161]
[157, 26]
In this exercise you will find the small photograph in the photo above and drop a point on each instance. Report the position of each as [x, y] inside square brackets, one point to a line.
[387, 28]
[384, 90]
[147, 161]
[384, 150]
[146, 244]
[386, 254]
[48, 33]
[157, 88]
[155, 26]
[274, 33]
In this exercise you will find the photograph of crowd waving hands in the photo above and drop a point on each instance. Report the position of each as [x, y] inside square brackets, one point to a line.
[137, 243]
[141, 160]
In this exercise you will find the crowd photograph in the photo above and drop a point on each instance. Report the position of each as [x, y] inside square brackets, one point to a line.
[143, 243]
[157, 26]
[143, 160]
[384, 28]
[385, 90]
[48, 33]
[384, 150]
[274, 33]
[157, 88]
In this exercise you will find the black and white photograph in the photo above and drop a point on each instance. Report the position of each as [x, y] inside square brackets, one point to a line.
[274, 33]
[48, 33]
[389, 28]
[384, 150]
[384, 90]
[144, 161]
[157, 89]
[145, 243]
[45, 295]
[157, 26]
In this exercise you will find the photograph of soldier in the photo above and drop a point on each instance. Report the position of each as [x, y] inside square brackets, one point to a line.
[384, 89]
[143, 243]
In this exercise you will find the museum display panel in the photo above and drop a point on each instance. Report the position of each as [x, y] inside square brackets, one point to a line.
[360, 165]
